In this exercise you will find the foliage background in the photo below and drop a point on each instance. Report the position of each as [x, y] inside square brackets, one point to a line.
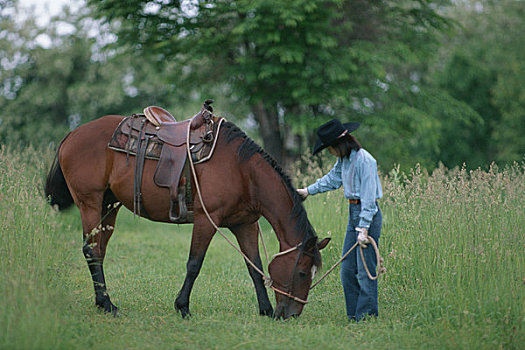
[430, 81]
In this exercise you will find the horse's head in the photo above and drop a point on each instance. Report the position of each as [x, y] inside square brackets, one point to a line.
[292, 272]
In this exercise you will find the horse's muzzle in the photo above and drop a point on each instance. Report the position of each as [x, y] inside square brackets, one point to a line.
[286, 309]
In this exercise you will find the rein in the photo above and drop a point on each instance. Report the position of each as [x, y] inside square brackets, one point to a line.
[267, 279]
[197, 187]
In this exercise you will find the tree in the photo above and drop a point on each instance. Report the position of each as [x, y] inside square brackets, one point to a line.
[295, 63]
[508, 60]
[484, 68]
[45, 91]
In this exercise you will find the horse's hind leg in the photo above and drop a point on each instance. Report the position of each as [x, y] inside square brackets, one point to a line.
[98, 221]
[247, 236]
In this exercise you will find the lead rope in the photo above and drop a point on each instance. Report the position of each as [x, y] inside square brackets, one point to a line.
[380, 268]
[267, 279]
[264, 245]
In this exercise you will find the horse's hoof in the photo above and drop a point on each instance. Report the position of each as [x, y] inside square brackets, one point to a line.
[266, 312]
[108, 307]
[113, 310]
[184, 311]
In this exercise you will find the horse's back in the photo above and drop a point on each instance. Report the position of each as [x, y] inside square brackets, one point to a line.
[101, 128]
[83, 155]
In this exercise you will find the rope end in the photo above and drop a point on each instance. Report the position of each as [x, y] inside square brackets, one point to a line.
[382, 268]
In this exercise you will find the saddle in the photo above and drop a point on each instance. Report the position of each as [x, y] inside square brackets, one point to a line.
[157, 135]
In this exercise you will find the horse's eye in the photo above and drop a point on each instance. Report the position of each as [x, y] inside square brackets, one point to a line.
[302, 274]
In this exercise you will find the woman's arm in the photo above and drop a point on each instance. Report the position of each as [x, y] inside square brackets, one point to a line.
[368, 191]
[329, 182]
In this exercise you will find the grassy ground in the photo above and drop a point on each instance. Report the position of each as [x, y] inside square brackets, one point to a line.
[453, 242]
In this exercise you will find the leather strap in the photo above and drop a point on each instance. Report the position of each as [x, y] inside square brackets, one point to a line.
[139, 167]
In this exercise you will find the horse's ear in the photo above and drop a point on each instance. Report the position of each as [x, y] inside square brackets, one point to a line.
[323, 243]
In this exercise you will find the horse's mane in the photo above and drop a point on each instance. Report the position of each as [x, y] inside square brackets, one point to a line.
[245, 151]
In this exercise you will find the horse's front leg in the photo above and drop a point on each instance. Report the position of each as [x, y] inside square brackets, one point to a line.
[200, 240]
[247, 236]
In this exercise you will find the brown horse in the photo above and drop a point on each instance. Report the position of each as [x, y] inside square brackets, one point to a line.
[239, 184]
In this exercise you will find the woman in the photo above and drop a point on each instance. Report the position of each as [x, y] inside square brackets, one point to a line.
[356, 170]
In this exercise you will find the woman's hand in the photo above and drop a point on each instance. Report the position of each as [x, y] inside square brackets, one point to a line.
[362, 237]
[303, 192]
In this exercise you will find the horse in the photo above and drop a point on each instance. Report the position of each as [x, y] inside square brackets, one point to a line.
[239, 184]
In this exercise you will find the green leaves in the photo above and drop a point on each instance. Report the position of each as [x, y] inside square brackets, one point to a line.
[485, 69]
[299, 58]
[405, 69]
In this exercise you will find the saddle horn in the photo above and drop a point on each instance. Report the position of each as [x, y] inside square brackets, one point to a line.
[207, 105]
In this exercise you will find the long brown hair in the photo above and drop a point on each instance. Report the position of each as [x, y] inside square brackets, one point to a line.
[345, 144]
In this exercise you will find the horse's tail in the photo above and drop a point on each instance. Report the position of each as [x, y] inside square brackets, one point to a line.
[56, 190]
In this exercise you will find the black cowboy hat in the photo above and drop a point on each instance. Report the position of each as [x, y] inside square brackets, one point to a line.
[330, 131]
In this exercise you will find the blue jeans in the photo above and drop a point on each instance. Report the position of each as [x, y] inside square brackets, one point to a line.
[360, 291]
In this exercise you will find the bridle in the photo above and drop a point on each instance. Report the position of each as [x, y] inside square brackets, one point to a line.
[289, 294]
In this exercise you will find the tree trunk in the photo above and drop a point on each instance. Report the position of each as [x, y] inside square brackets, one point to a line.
[270, 131]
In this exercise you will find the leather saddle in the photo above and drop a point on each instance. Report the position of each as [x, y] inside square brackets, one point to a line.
[158, 136]
[159, 116]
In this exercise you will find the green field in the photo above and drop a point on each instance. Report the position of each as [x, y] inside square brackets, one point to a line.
[453, 243]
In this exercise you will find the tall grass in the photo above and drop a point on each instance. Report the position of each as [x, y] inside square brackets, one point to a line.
[454, 246]
[31, 255]
[457, 246]
[453, 243]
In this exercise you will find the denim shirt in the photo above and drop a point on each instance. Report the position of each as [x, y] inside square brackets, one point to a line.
[358, 175]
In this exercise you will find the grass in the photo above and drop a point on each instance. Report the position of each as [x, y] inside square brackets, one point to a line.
[453, 242]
